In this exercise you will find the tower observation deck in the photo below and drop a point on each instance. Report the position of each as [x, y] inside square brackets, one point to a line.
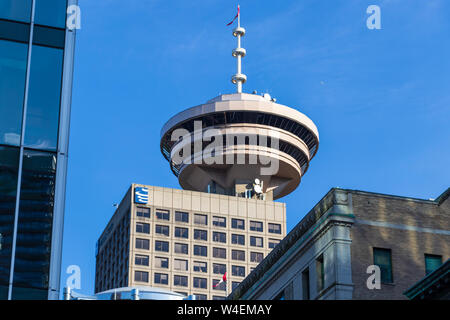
[240, 144]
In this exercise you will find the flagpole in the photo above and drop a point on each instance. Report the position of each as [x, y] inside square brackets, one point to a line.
[239, 78]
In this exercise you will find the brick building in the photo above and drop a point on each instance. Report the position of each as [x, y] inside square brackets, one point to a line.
[329, 254]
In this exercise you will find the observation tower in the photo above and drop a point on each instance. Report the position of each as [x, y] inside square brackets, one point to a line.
[240, 144]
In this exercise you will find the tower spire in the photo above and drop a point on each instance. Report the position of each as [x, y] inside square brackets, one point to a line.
[239, 78]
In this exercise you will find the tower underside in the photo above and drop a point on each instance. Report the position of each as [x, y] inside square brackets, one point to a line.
[224, 145]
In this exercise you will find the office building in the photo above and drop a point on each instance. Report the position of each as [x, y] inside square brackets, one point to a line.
[332, 251]
[233, 156]
[36, 65]
[184, 241]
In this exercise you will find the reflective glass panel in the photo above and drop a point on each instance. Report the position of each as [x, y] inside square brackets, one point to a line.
[19, 10]
[13, 65]
[44, 97]
[51, 13]
[34, 231]
[9, 163]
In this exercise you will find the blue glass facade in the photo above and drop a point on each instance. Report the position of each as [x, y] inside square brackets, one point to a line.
[36, 65]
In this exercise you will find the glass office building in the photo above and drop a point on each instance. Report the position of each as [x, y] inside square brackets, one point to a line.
[36, 66]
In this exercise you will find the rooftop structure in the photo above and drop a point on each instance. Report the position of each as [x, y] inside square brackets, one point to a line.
[240, 144]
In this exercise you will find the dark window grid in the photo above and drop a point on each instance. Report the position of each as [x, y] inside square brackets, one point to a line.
[219, 237]
[181, 248]
[161, 246]
[200, 283]
[182, 216]
[238, 255]
[143, 227]
[274, 228]
[238, 271]
[219, 268]
[141, 260]
[161, 278]
[238, 239]
[160, 229]
[200, 266]
[162, 215]
[256, 226]
[256, 242]
[238, 224]
[200, 235]
[181, 232]
[219, 222]
[220, 253]
[181, 281]
[200, 251]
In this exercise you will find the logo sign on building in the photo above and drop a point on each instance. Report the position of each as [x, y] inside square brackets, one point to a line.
[141, 195]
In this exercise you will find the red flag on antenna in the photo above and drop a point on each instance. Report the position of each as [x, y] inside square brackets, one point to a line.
[234, 17]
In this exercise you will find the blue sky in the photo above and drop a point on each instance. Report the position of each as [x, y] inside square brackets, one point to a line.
[380, 98]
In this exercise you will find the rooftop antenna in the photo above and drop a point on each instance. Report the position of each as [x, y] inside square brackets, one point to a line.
[239, 78]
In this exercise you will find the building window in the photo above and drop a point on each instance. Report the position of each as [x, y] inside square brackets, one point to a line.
[200, 296]
[219, 268]
[219, 237]
[256, 242]
[44, 98]
[432, 262]
[200, 251]
[273, 243]
[200, 234]
[161, 246]
[182, 216]
[218, 298]
[217, 286]
[180, 265]
[143, 212]
[201, 219]
[320, 271]
[141, 260]
[163, 230]
[256, 226]
[161, 278]
[200, 266]
[238, 224]
[219, 222]
[163, 215]
[274, 228]
[238, 255]
[220, 253]
[181, 281]
[238, 271]
[142, 244]
[181, 248]
[382, 258]
[256, 257]
[161, 262]
[142, 227]
[238, 239]
[305, 284]
[181, 232]
[200, 283]
[141, 276]
[234, 285]
[12, 87]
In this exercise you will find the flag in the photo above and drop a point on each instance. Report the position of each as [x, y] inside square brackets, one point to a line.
[224, 279]
[234, 17]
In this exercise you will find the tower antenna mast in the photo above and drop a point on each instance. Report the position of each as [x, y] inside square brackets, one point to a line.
[239, 78]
